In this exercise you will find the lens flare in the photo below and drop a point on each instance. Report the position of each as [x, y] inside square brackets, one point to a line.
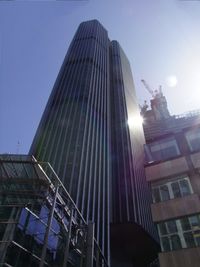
[135, 121]
[172, 81]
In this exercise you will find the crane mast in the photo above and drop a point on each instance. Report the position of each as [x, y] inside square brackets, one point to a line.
[148, 88]
[158, 103]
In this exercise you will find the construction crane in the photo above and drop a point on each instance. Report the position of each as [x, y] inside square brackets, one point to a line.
[156, 93]
[148, 88]
[158, 103]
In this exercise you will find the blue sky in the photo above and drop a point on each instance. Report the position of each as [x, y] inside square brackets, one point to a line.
[160, 37]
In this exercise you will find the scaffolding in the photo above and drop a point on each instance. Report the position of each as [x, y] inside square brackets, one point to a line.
[40, 225]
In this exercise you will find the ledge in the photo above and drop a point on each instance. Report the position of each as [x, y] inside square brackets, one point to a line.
[175, 208]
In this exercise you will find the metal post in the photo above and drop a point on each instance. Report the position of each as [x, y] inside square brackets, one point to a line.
[90, 245]
[83, 246]
[68, 238]
[97, 258]
[8, 233]
[46, 237]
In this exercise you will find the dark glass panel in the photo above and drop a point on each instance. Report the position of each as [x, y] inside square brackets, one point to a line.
[195, 144]
[156, 194]
[164, 149]
[185, 189]
[176, 189]
[165, 243]
[163, 228]
[164, 192]
[194, 220]
[196, 235]
[189, 240]
[171, 225]
[176, 243]
[185, 224]
[193, 138]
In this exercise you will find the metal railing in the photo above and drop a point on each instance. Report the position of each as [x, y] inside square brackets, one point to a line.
[188, 114]
[60, 229]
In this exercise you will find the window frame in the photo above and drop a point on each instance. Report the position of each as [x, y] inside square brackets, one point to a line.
[169, 185]
[161, 146]
[189, 139]
[193, 232]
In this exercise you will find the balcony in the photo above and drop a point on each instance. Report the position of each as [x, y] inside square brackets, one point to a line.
[166, 169]
[189, 257]
[176, 207]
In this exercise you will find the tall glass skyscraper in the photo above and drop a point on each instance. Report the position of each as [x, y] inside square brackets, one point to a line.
[84, 134]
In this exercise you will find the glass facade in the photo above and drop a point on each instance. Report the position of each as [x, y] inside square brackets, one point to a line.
[39, 223]
[130, 193]
[73, 134]
[85, 136]
[180, 233]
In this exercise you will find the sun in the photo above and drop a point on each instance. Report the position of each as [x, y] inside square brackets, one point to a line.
[172, 81]
[135, 121]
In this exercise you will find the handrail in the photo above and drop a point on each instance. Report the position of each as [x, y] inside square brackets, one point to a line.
[63, 187]
[54, 181]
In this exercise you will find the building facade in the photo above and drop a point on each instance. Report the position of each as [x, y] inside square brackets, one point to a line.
[40, 225]
[172, 169]
[84, 134]
[129, 191]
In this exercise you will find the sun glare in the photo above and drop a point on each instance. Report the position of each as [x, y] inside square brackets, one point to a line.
[172, 81]
[135, 121]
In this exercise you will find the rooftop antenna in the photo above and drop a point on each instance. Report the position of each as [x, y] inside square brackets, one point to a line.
[18, 147]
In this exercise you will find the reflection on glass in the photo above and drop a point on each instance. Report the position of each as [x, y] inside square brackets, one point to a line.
[189, 240]
[180, 233]
[193, 139]
[176, 243]
[163, 228]
[165, 243]
[185, 224]
[164, 192]
[185, 189]
[162, 150]
[156, 195]
[194, 220]
[171, 225]
[176, 189]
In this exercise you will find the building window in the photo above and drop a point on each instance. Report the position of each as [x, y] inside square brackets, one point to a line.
[194, 221]
[172, 189]
[193, 139]
[164, 191]
[163, 228]
[189, 239]
[180, 233]
[185, 187]
[185, 224]
[176, 242]
[165, 243]
[176, 189]
[156, 194]
[171, 226]
[162, 150]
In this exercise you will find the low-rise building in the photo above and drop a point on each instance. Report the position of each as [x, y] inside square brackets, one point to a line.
[173, 172]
